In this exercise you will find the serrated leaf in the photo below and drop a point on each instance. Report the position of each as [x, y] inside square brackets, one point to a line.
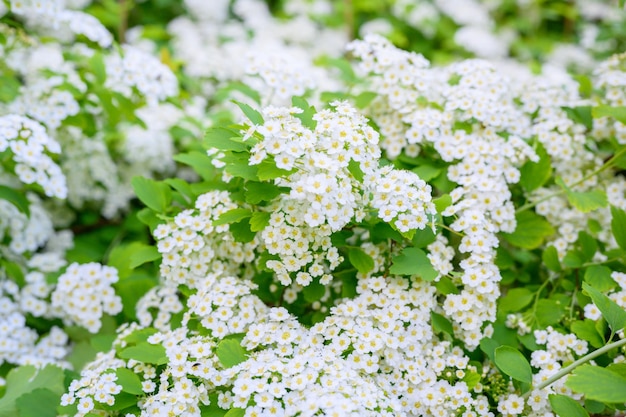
[259, 220]
[513, 363]
[614, 315]
[586, 330]
[262, 191]
[17, 198]
[230, 353]
[243, 170]
[145, 352]
[584, 201]
[550, 258]
[154, 194]
[413, 261]
[599, 277]
[360, 260]
[530, 232]
[25, 379]
[618, 226]
[535, 174]
[597, 383]
[253, 115]
[183, 187]
[515, 299]
[129, 381]
[233, 216]
[549, 312]
[616, 112]
[565, 406]
[40, 402]
[220, 138]
[241, 231]
[441, 324]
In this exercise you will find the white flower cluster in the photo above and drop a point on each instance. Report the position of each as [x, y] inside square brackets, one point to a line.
[225, 305]
[84, 292]
[20, 344]
[27, 233]
[135, 68]
[611, 76]
[618, 295]
[192, 247]
[52, 18]
[29, 145]
[465, 111]
[162, 299]
[97, 384]
[45, 102]
[326, 192]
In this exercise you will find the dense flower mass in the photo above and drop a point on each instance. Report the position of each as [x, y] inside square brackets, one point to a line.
[312, 208]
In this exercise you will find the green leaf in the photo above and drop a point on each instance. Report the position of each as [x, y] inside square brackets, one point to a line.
[355, 169]
[565, 406]
[536, 174]
[489, 346]
[549, 312]
[200, 162]
[360, 260]
[550, 258]
[441, 324]
[96, 63]
[615, 112]
[40, 402]
[584, 201]
[129, 381]
[145, 352]
[618, 226]
[598, 384]
[25, 379]
[142, 254]
[516, 299]
[364, 99]
[308, 111]
[262, 191]
[586, 330]
[154, 194]
[259, 220]
[427, 172]
[243, 170]
[17, 198]
[221, 138]
[530, 232]
[254, 116]
[313, 292]
[513, 363]
[235, 412]
[443, 202]
[9, 89]
[614, 315]
[267, 170]
[599, 277]
[233, 216]
[588, 245]
[413, 261]
[241, 231]
[230, 353]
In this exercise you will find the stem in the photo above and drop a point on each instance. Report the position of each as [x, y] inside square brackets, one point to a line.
[349, 18]
[577, 363]
[604, 167]
[123, 26]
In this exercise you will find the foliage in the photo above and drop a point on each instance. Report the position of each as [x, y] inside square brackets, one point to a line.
[364, 207]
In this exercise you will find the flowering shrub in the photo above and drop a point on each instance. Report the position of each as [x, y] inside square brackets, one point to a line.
[249, 208]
